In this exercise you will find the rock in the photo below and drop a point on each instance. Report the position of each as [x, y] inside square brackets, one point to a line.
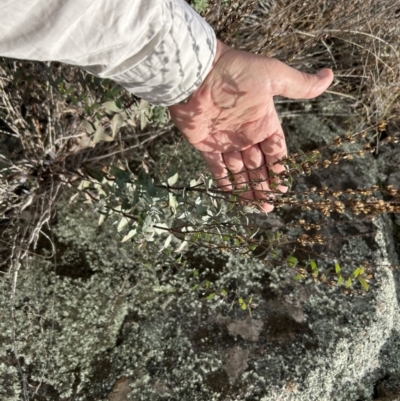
[389, 389]
[137, 329]
[120, 390]
[235, 362]
[302, 342]
[248, 329]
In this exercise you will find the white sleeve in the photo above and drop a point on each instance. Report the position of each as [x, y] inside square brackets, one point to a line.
[160, 50]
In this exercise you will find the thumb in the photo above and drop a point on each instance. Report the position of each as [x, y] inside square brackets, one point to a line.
[289, 82]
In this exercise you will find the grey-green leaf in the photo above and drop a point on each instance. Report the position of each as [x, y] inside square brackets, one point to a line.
[116, 124]
[173, 179]
[111, 106]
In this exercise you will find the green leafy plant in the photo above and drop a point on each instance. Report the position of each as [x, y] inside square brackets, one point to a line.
[200, 5]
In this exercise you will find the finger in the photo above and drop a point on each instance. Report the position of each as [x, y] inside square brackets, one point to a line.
[268, 132]
[289, 82]
[235, 164]
[274, 168]
[217, 167]
[274, 149]
[254, 160]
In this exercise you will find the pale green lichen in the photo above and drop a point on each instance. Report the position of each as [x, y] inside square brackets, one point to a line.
[10, 388]
[105, 311]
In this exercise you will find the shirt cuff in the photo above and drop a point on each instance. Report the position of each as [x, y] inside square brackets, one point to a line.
[178, 65]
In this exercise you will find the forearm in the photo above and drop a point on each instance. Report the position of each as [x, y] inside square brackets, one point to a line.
[160, 50]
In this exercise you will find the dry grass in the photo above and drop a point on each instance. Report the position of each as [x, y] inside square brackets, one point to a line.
[47, 142]
[358, 40]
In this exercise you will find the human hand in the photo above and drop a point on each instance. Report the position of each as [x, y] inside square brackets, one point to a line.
[232, 120]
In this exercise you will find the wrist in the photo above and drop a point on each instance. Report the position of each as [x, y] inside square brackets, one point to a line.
[221, 49]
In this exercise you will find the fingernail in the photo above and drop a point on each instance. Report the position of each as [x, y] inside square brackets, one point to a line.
[324, 73]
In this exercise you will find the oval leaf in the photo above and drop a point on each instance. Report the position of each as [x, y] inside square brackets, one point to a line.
[111, 106]
[128, 236]
[122, 224]
[172, 202]
[116, 124]
[182, 245]
[173, 180]
[363, 283]
[209, 297]
[101, 136]
[337, 268]
[292, 261]
[101, 219]
[166, 243]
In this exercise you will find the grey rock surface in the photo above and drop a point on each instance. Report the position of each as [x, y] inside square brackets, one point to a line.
[303, 341]
[127, 327]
